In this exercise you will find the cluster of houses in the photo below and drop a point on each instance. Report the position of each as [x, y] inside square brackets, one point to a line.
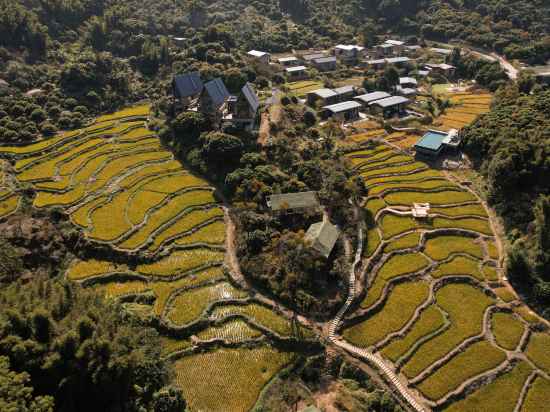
[214, 100]
[345, 104]
[391, 52]
[323, 235]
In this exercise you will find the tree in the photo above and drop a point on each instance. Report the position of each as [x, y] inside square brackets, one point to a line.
[391, 76]
[17, 395]
[188, 126]
[80, 350]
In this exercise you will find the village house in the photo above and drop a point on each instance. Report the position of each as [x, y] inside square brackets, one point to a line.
[398, 45]
[243, 109]
[308, 58]
[322, 236]
[259, 56]
[296, 73]
[434, 142]
[187, 89]
[400, 61]
[409, 92]
[345, 93]
[366, 99]
[324, 64]
[348, 54]
[344, 111]
[384, 50]
[377, 64]
[389, 106]
[443, 69]
[322, 97]
[289, 61]
[213, 100]
[409, 82]
[293, 202]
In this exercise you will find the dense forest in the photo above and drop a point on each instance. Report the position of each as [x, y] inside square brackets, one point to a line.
[66, 347]
[511, 146]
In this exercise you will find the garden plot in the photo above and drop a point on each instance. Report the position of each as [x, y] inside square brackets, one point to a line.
[228, 380]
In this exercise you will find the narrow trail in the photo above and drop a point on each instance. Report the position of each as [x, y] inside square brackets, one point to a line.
[363, 354]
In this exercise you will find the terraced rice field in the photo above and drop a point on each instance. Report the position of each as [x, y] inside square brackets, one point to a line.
[435, 304]
[300, 89]
[124, 191]
[9, 199]
[466, 108]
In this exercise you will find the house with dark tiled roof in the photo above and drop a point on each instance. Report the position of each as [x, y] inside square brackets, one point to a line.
[243, 109]
[187, 88]
[213, 100]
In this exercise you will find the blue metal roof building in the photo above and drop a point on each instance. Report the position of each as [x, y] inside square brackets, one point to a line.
[432, 143]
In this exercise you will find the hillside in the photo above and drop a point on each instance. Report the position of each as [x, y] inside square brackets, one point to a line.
[293, 205]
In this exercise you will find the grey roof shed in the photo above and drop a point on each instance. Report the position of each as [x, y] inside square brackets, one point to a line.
[323, 237]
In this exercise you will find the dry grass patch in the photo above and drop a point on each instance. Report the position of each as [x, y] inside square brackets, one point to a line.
[476, 359]
[441, 247]
[399, 308]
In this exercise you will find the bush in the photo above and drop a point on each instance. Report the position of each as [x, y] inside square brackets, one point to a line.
[48, 129]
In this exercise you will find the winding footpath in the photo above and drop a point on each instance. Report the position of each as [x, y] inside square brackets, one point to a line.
[360, 353]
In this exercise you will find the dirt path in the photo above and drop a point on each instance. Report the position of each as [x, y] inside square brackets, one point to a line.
[273, 114]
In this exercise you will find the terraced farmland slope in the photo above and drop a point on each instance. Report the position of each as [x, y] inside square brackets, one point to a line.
[126, 192]
[434, 306]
